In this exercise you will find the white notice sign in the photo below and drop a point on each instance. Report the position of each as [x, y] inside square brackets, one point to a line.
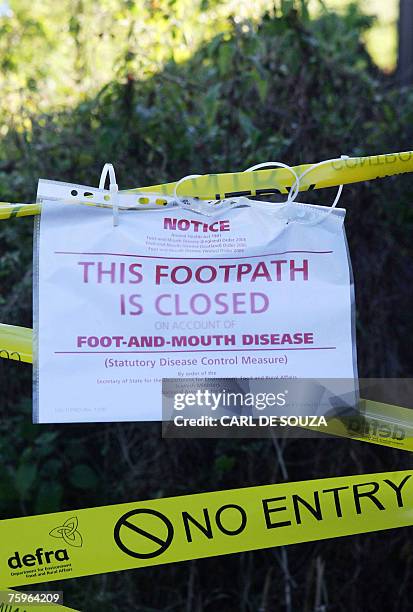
[172, 293]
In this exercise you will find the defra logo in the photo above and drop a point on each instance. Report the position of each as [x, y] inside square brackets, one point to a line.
[372, 427]
[68, 532]
[39, 557]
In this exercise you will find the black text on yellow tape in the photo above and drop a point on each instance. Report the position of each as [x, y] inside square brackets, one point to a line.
[49, 547]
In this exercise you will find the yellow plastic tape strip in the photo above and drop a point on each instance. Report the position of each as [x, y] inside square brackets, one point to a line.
[9, 210]
[15, 601]
[264, 182]
[378, 423]
[16, 343]
[78, 543]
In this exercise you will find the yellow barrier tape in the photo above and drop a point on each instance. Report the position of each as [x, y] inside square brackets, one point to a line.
[9, 210]
[140, 534]
[264, 182]
[16, 343]
[15, 601]
[377, 423]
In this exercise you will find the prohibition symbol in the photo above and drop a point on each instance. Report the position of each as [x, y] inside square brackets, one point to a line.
[143, 533]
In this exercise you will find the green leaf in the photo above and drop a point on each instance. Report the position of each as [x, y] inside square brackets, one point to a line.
[47, 438]
[247, 124]
[224, 463]
[83, 477]
[226, 53]
[7, 492]
[212, 103]
[25, 477]
[48, 498]
[261, 84]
